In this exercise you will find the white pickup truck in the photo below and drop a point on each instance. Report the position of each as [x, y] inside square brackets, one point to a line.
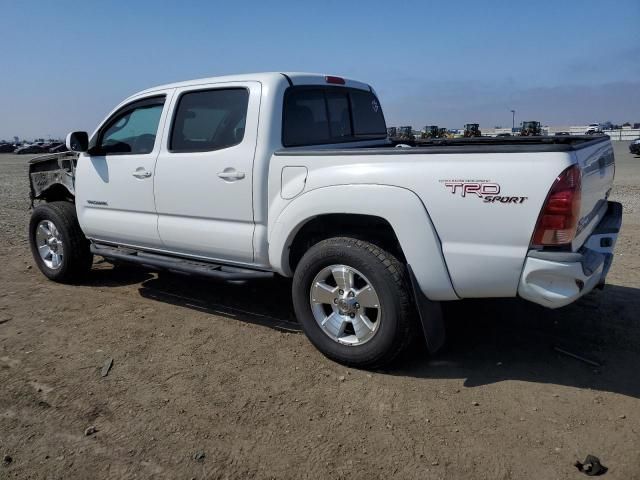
[248, 176]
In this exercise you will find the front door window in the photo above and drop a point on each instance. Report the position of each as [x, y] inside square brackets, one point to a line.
[133, 130]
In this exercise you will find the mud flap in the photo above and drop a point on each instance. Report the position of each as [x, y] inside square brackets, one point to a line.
[430, 315]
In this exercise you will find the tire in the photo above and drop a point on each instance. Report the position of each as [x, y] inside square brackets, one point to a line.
[395, 324]
[66, 240]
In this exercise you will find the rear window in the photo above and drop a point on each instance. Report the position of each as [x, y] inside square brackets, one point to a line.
[317, 115]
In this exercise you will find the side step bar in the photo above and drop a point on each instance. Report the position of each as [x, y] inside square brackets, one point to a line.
[175, 264]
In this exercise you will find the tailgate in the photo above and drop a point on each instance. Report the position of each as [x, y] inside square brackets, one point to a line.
[598, 166]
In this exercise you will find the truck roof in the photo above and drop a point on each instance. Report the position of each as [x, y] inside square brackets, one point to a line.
[268, 78]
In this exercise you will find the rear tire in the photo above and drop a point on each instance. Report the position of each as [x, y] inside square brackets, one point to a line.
[57, 243]
[366, 335]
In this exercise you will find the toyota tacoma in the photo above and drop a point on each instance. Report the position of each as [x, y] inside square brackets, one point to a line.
[251, 176]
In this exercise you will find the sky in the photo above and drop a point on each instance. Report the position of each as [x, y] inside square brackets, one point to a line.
[65, 64]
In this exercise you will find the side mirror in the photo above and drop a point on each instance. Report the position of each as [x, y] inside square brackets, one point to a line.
[77, 141]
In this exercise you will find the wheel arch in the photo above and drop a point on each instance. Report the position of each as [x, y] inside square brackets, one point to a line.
[355, 225]
[397, 214]
[52, 177]
[57, 192]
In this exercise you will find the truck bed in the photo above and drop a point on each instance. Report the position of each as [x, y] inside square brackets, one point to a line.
[483, 235]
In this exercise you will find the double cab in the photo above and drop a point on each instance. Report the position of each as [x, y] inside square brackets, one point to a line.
[292, 174]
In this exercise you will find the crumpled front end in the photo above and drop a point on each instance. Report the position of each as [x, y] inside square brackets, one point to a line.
[52, 174]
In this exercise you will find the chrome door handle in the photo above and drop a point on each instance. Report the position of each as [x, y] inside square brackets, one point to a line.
[230, 175]
[141, 174]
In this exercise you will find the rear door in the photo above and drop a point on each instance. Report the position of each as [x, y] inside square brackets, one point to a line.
[203, 184]
[114, 186]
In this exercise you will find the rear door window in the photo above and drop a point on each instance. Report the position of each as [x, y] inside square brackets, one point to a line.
[209, 120]
[324, 115]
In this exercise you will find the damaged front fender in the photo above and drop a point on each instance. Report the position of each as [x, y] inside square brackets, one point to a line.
[53, 175]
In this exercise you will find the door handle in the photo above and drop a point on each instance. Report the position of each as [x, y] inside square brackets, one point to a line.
[231, 175]
[140, 173]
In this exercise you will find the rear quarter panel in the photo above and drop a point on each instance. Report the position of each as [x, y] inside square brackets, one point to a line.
[484, 243]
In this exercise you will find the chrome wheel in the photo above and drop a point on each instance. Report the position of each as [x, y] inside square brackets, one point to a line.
[345, 305]
[49, 243]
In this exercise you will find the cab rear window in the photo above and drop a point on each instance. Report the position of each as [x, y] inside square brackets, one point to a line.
[324, 115]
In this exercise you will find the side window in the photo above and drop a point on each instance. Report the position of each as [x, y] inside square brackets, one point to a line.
[133, 130]
[209, 120]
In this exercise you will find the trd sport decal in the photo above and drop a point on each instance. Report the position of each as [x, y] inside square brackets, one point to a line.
[487, 190]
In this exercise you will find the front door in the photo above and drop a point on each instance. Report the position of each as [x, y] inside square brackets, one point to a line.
[203, 182]
[114, 188]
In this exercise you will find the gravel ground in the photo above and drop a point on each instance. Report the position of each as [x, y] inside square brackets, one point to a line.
[216, 381]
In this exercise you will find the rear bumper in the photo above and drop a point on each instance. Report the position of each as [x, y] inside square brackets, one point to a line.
[556, 279]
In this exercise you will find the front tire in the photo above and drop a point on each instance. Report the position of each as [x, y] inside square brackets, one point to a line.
[352, 300]
[57, 243]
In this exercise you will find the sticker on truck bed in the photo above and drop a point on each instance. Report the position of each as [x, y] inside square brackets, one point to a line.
[487, 190]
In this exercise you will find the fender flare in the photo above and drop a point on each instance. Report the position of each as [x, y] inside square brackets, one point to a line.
[401, 207]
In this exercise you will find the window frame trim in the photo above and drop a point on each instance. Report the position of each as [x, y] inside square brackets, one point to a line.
[174, 115]
[325, 89]
[133, 105]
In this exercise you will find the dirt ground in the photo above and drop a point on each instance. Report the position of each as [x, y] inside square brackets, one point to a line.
[202, 368]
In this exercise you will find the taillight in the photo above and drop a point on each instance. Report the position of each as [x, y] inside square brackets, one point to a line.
[334, 80]
[559, 217]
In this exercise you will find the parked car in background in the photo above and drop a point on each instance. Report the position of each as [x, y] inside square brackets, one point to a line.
[58, 148]
[7, 148]
[30, 149]
[49, 145]
[562, 134]
[635, 147]
[593, 129]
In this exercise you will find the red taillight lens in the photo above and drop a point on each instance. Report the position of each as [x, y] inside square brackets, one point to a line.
[334, 80]
[558, 220]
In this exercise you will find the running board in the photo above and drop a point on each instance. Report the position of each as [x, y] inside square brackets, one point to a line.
[179, 265]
